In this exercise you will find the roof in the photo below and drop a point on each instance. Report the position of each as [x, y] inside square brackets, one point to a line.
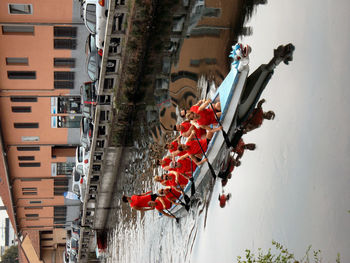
[29, 254]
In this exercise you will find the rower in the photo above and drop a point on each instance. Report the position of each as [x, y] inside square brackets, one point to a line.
[171, 193]
[140, 202]
[161, 204]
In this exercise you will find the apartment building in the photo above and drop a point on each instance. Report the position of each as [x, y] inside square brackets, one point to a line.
[42, 61]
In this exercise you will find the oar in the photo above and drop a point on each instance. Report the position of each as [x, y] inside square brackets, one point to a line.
[210, 167]
[187, 207]
[170, 213]
[193, 189]
[227, 140]
[187, 199]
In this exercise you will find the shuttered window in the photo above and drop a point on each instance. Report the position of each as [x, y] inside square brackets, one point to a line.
[31, 164]
[16, 61]
[63, 75]
[21, 74]
[64, 62]
[21, 109]
[26, 158]
[65, 31]
[65, 43]
[24, 99]
[17, 30]
[28, 148]
[26, 125]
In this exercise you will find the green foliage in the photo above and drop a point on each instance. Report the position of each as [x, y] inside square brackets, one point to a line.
[10, 255]
[281, 255]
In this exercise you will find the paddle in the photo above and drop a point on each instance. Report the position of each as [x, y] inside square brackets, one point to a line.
[187, 207]
[193, 189]
[210, 167]
[170, 213]
[227, 140]
[187, 199]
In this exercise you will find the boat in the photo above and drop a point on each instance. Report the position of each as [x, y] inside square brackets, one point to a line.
[238, 95]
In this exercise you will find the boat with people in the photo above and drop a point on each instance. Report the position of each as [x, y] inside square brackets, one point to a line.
[238, 95]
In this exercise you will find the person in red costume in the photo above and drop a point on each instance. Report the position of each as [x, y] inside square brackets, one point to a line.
[241, 147]
[203, 114]
[186, 128]
[140, 202]
[171, 193]
[165, 162]
[183, 166]
[257, 117]
[161, 204]
[193, 149]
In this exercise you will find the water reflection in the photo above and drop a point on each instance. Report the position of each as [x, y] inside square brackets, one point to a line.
[195, 63]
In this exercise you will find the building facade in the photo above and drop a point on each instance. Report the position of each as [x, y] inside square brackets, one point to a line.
[41, 71]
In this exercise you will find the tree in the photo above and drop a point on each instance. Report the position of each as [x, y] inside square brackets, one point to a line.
[10, 255]
[282, 255]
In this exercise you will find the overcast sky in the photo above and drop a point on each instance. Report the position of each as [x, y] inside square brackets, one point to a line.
[295, 187]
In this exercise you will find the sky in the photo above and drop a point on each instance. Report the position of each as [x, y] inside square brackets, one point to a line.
[295, 187]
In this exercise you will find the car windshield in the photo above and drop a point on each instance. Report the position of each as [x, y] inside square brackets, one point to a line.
[91, 17]
[80, 169]
[92, 67]
[80, 155]
[76, 176]
[76, 189]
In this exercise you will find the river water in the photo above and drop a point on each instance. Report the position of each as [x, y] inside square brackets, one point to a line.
[294, 188]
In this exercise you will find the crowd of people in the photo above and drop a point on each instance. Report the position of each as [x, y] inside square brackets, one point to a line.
[186, 152]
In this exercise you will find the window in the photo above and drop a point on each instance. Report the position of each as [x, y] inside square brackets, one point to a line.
[63, 43]
[47, 239]
[28, 148]
[32, 207]
[64, 168]
[64, 62]
[64, 84]
[20, 9]
[24, 99]
[65, 31]
[29, 193]
[18, 109]
[30, 138]
[47, 232]
[26, 125]
[21, 74]
[63, 75]
[68, 122]
[32, 164]
[26, 158]
[64, 80]
[32, 215]
[17, 61]
[68, 104]
[34, 202]
[18, 30]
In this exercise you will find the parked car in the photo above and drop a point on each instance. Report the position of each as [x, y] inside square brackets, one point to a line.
[95, 13]
[82, 160]
[93, 58]
[88, 99]
[86, 132]
[75, 182]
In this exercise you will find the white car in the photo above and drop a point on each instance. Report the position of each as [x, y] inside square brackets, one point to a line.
[95, 13]
[82, 157]
[79, 184]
